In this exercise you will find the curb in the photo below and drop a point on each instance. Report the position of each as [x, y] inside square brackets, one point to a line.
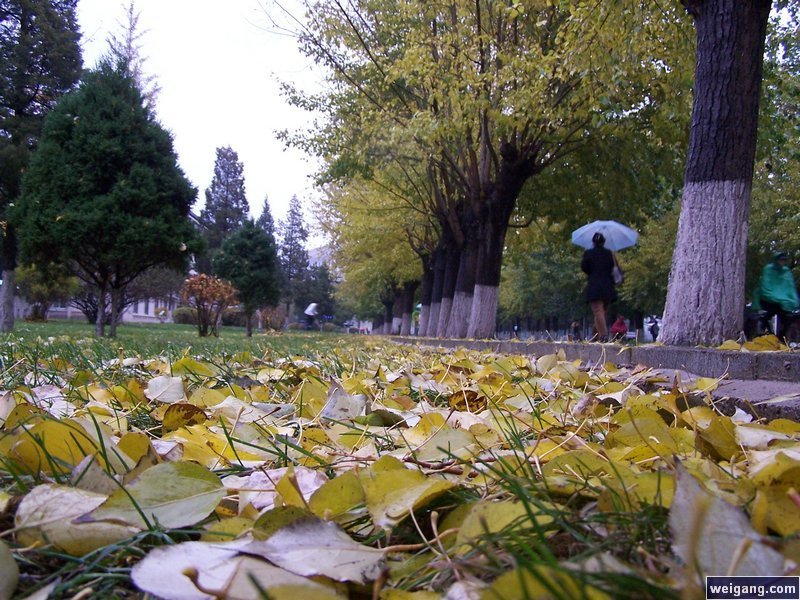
[706, 362]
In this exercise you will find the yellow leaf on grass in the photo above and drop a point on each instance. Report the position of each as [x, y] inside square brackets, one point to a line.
[192, 367]
[135, 445]
[181, 414]
[53, 447]
[170, 494]
[47, 514]
[338, 496]
[204, 397]
[391, 491]
[227, 529]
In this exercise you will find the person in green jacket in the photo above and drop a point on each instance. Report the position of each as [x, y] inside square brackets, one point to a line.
[776, 293]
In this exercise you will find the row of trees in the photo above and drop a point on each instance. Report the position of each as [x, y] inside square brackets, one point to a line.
[447, 125]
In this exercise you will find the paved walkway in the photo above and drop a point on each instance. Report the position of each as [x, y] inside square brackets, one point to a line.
[764, 384]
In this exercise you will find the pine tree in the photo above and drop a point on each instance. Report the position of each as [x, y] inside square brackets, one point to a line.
[125, 47]
[265, 221]
[226, 204]
[292, 251]
[104, 192]
[40, 52]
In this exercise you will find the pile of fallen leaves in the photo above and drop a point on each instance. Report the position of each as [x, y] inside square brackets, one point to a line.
[384, 472]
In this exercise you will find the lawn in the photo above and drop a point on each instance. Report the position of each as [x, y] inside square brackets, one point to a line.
[334, 466]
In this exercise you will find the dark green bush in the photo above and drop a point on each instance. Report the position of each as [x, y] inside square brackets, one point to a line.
[184, 315]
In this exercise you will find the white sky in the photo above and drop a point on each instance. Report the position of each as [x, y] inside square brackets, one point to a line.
[218, 65]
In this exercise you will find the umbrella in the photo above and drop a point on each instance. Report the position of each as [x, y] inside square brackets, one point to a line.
[618, 236]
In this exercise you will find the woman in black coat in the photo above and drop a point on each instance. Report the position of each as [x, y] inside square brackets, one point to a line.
[598, 263]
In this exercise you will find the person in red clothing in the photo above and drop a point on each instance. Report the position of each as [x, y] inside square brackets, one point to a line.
[619, 328]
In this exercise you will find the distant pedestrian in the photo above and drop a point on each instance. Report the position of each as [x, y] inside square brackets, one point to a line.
[310, 313]
[653, 328]
[776, 294]
[598, 263]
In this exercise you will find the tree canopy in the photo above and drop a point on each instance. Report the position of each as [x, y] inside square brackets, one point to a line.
[249, 260]
[226, 207]
[40, 60]
[104, 192]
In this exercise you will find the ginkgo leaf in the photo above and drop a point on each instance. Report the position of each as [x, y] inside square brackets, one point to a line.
[713, 536]
[165, 389]
[181, 414]
[53, 447]
[189, 366]
[391, 491]
[312, 546]
[340, 405]
[46, 515]
[9, 572]
[170, 494]
[337, 496]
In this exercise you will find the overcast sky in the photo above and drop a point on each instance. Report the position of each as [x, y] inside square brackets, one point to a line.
[218, 65]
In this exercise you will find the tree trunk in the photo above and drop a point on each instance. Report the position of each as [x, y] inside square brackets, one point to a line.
[465, 288]
[483, 318]
[115, 298]
[452, 260]
[705, 297]
[100, 321]
[397, 312]
[425, 296]
[248, 324]
[436, 291]
[7, 291]
[407, 306]
[7, 301]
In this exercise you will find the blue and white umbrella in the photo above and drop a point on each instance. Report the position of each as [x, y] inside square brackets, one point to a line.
[618, 236]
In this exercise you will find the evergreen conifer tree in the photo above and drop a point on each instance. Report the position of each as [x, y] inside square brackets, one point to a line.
[40, 59]
[292, 251]
[226, 204]
[104, 192]
[265, 221]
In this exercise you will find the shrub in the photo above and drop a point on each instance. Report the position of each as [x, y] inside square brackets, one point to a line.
[184, 315]
[234, 317]
[210, 296]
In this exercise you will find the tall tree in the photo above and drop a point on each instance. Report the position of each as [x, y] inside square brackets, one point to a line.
[705, 298]
[104, 192]
[226, 204]
[39, 61]
[265, 220]
[249, 260]
[292, 251]
[125, 47]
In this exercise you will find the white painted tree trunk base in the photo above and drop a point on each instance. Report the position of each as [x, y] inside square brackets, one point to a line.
[397, 323]
[405, 325]
[459, 315]
[705, 298]
[444, 317]
[424, 315]
[484, 311]
[433, 320]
